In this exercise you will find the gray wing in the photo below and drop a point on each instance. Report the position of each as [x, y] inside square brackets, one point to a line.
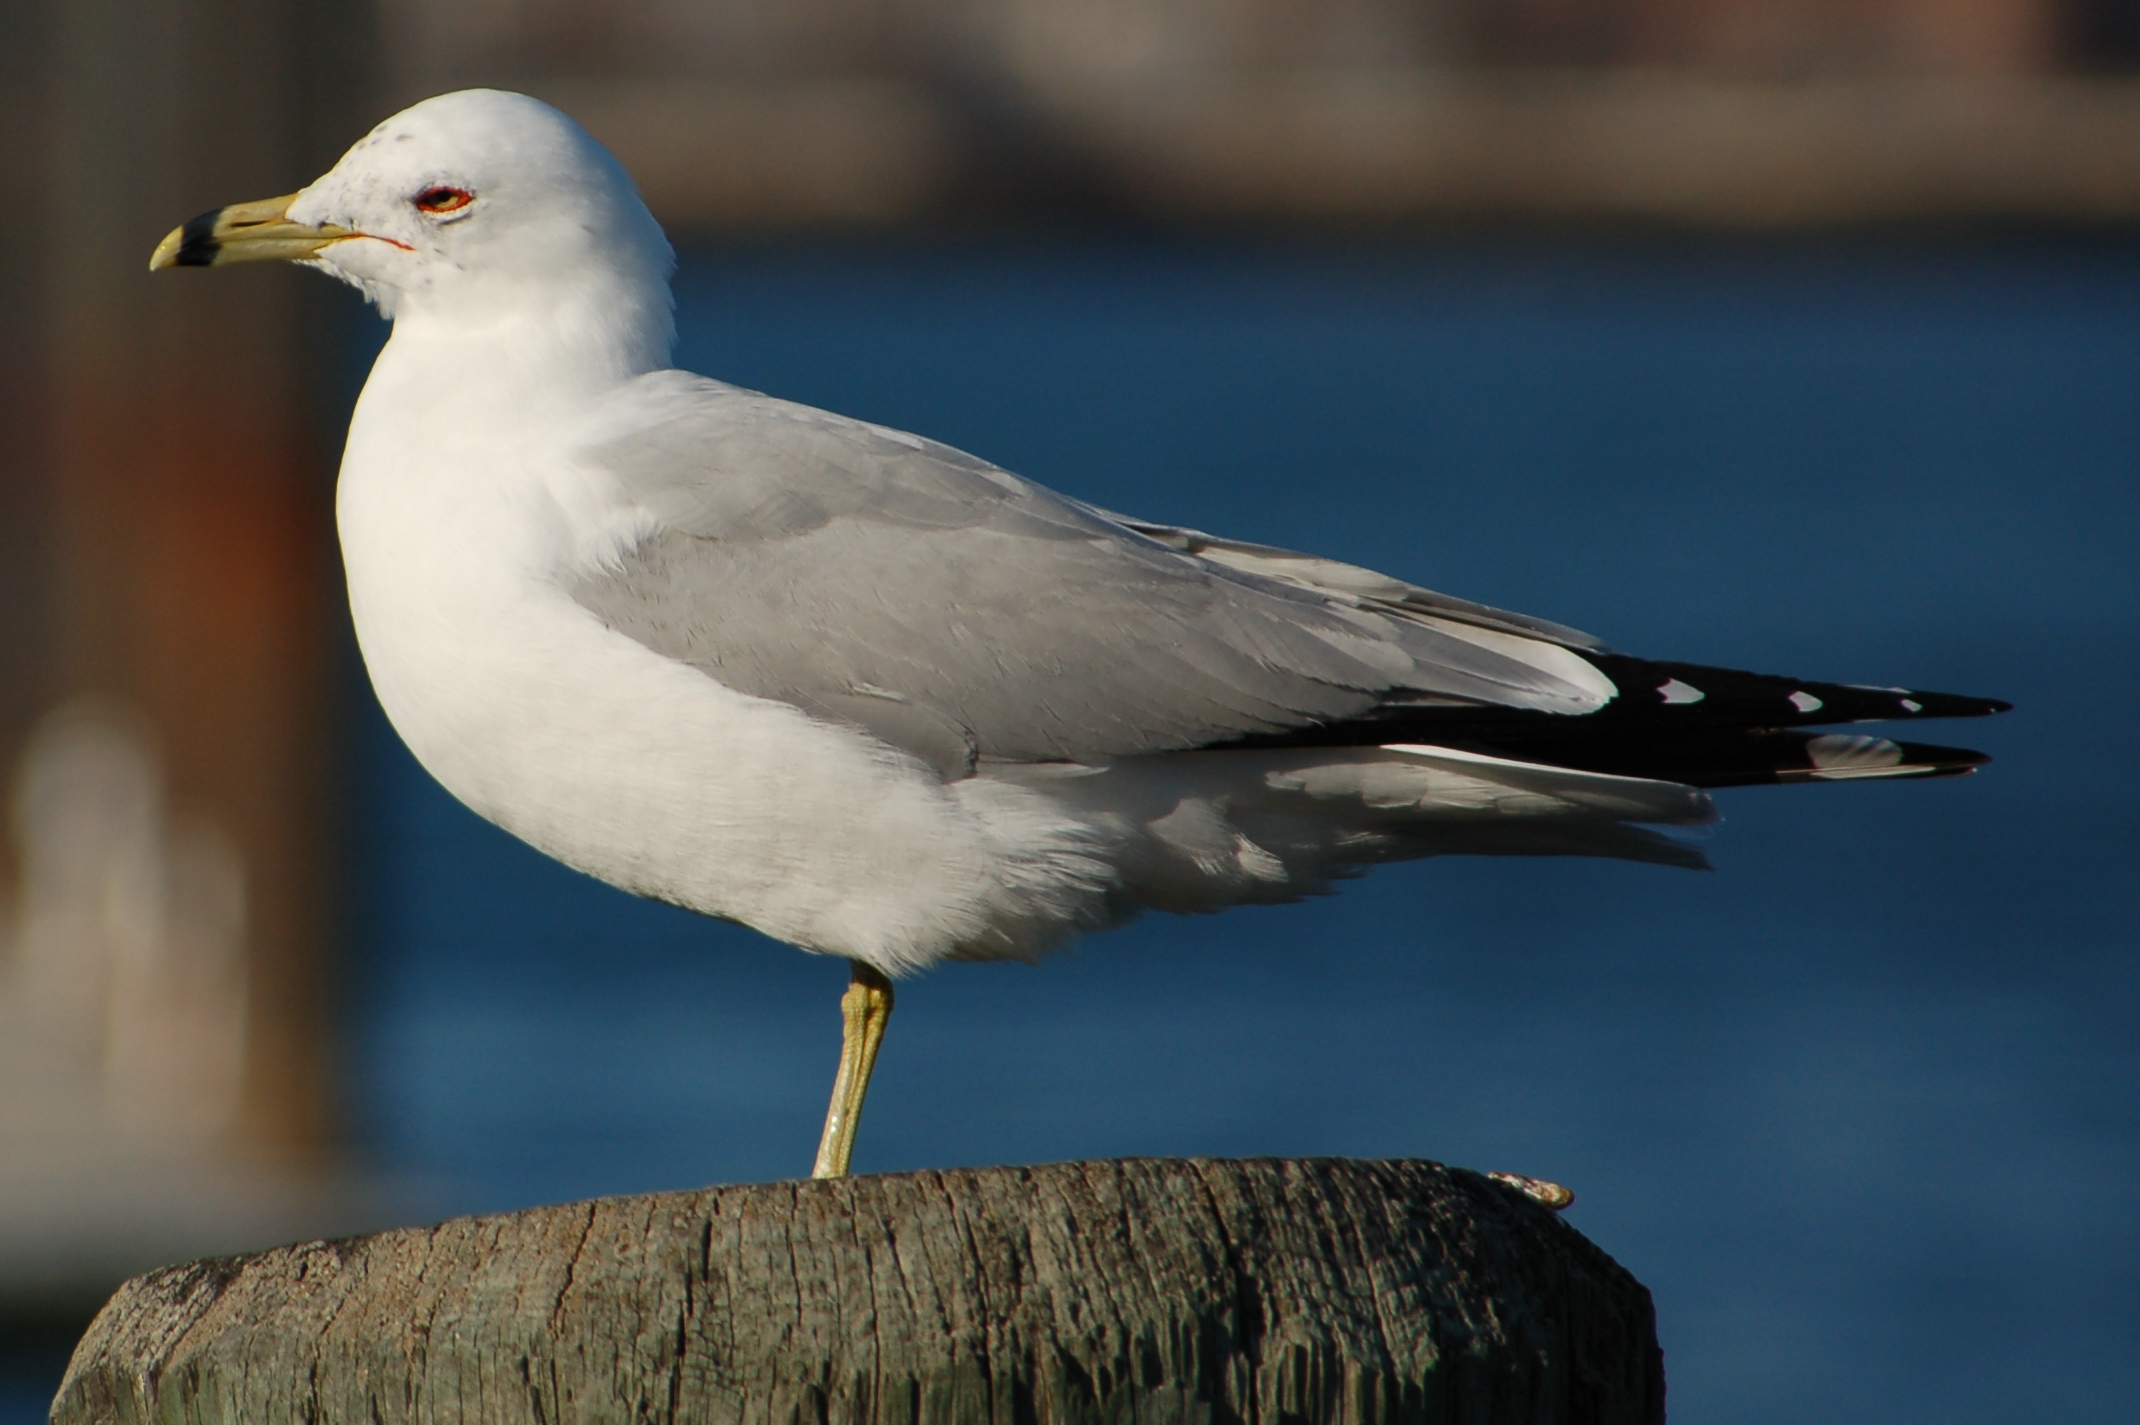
[959, 612]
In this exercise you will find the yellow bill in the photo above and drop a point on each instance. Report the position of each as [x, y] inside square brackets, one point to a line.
[244, 232]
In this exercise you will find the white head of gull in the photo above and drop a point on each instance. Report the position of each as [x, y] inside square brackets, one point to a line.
[879, 698]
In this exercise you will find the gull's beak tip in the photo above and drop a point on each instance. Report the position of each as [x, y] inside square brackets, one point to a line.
[243, 232]
[190, 244]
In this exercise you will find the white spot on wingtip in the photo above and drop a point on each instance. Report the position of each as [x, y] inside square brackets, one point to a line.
[1678, 692]
[1912, 705]
[1845, 754]
[1805, 702]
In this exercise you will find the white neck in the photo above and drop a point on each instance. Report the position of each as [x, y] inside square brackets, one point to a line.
[570, 342]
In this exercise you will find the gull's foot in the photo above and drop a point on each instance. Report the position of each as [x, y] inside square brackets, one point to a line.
[1538, 1190]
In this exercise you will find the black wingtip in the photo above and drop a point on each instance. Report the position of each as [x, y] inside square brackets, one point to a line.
[1668, 701]
[1848, 757]
[1692, 695]
[1729, 757]
[1915, 704]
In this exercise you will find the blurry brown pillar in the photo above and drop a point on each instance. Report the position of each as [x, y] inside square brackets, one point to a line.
[24, 385]
[167, 496]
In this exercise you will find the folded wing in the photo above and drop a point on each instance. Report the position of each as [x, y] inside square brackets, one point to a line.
[960, 613]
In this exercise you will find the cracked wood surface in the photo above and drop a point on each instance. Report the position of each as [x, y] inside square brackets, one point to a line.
[1282, 1292]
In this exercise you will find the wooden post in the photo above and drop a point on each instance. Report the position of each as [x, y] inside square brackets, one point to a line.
[1297, 1291]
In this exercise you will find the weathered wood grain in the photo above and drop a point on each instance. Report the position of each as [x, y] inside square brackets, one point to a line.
[1285, 1292]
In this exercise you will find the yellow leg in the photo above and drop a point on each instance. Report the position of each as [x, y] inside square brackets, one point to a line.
[866, 1007]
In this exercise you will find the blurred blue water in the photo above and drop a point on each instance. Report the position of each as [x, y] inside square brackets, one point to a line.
[1862, 1107]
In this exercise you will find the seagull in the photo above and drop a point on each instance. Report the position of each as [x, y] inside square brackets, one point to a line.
[879, 698]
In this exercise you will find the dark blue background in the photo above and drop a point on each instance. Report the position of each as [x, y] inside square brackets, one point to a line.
[1859, 1106]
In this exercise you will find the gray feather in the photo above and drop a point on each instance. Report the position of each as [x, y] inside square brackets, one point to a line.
[959, 612]
[1350, 581]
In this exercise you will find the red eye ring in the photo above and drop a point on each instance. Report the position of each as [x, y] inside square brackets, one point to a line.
[443, 199]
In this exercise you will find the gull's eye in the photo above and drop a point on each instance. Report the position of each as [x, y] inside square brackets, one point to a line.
[444, 200]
